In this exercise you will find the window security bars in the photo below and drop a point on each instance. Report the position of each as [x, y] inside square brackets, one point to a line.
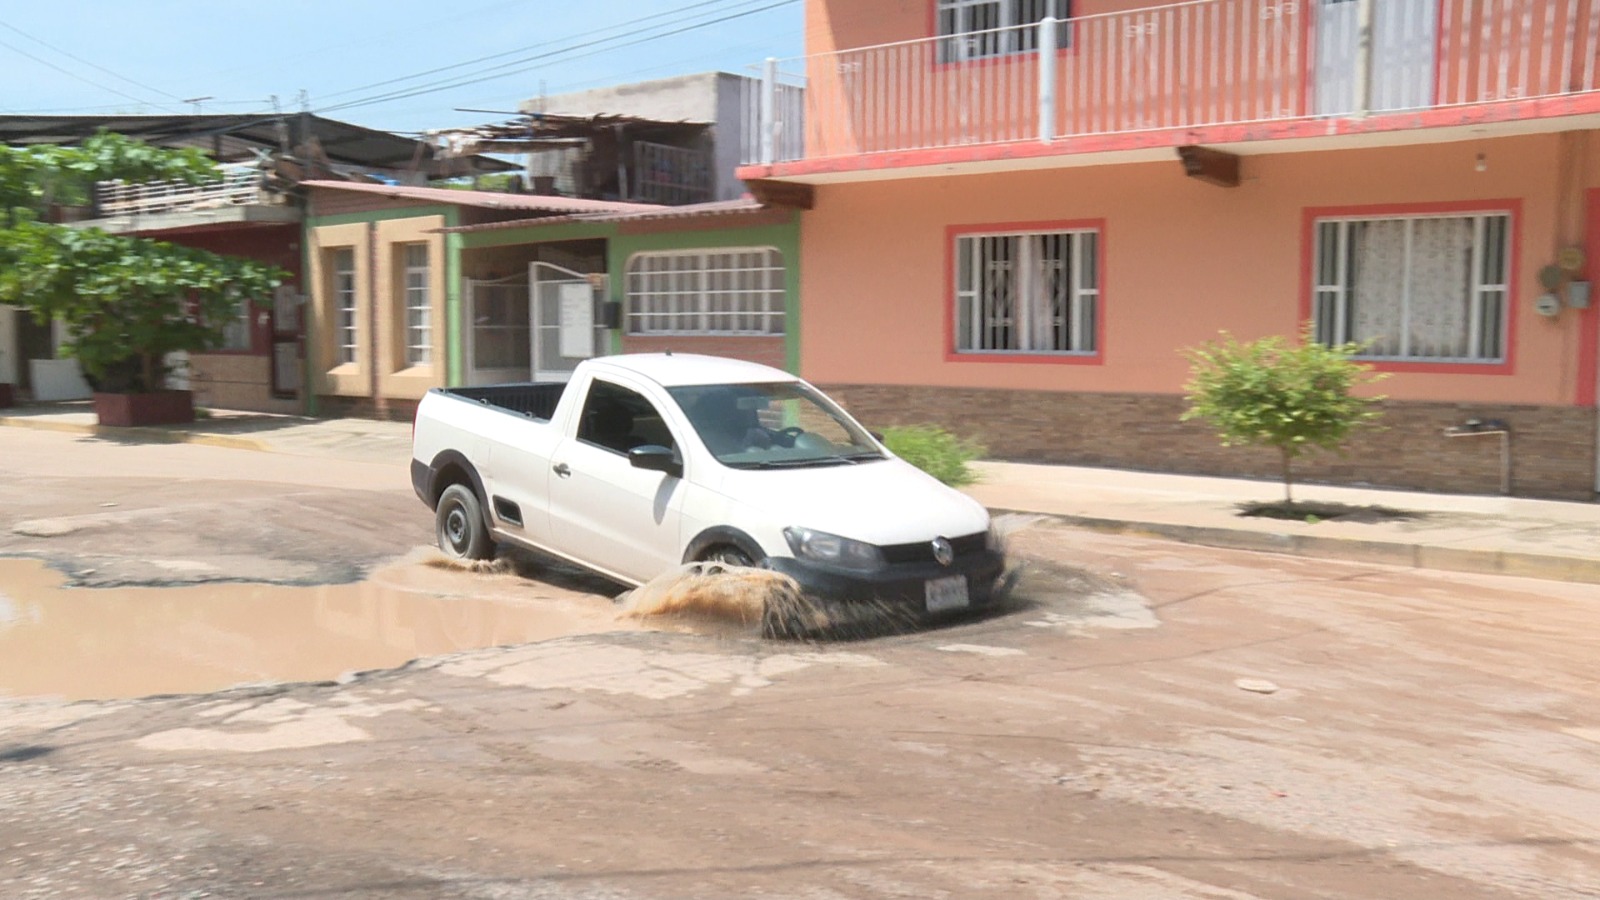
[1030, 293]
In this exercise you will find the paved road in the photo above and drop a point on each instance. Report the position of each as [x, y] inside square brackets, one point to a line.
[1429, 735]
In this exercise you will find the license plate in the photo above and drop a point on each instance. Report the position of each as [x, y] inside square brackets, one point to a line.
[947, 593]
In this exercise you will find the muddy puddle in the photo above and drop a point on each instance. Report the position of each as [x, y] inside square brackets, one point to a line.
[104, 643]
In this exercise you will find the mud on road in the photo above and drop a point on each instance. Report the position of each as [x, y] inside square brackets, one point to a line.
[1403, 734]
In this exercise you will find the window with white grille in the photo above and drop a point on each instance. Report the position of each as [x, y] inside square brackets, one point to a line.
[724, 291]
[981, 28]
[419, 307]
[1031, 293]
[344, 301]
[1433, 288]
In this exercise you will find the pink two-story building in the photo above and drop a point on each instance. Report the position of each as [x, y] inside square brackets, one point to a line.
[1018, 212]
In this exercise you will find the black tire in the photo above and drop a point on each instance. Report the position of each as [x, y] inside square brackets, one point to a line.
[728, 555]
[459, 525]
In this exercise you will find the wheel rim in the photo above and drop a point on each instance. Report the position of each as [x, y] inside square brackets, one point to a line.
[456, 528]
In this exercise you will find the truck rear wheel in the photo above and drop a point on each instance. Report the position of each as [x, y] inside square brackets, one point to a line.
[459, 525]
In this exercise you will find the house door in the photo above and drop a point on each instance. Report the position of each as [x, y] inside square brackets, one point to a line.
[1404, 41]
[564, 329]
[286, 343]
[498, 336]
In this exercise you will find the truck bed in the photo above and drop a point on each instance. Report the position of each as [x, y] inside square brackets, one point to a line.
[534, 400]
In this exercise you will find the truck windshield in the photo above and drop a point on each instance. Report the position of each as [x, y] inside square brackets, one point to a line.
[776, 425]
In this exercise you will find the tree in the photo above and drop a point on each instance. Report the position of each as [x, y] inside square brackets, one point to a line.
[127, 301]
[1270, 394]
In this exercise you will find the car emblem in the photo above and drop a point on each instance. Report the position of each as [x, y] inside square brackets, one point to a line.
[943, 553]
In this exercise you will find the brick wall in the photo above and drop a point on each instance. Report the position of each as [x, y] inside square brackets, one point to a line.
[1552, 447]
[768, 351]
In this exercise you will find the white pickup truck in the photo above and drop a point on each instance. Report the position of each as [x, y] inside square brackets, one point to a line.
[642, 463]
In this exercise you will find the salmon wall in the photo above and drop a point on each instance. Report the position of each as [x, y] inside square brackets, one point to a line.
[1183, 260]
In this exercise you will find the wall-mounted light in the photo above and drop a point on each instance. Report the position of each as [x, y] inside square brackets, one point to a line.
[1481, 164]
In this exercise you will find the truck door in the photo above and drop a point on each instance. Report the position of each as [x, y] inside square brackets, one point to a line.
[517, 475]
[603, 511]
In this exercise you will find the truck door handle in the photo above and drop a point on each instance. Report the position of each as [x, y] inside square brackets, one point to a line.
[562, 469]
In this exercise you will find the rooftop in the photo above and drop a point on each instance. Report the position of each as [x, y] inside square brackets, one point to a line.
[238, 137]
[488, 199]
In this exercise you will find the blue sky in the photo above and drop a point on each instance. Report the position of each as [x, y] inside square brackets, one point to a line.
[148, 56]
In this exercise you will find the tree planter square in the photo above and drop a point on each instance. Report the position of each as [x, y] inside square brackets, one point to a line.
[153, 408]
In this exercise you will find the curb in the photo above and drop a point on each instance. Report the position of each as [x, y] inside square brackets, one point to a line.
[139, 434]
[1386, 553]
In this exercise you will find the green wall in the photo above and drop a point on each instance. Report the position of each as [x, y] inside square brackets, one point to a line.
[785, 237]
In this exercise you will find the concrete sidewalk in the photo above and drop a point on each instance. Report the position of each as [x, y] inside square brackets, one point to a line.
[1512, 536]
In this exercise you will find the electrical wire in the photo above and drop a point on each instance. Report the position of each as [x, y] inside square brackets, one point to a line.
[70, 74]
[8, 26]
[520, 66]
[503, 54]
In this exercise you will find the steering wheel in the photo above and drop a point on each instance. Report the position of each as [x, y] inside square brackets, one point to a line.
[792, 433]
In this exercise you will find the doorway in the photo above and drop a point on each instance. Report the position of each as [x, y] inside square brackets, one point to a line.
[1404, 47]
[565, 331]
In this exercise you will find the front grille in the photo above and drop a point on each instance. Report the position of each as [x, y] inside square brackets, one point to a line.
[922, 551]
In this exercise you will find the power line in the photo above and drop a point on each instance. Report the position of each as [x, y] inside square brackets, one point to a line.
[368, 37]
[91, 65]
[520, 67]
[503, 54]
[70, 74]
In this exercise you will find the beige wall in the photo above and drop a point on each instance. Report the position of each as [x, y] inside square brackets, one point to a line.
[1183, 259]
[396, 377]
[329, 375]
[381, 330]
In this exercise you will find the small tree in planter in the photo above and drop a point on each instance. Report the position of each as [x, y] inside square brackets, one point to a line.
[128, 303]
[1269, 394]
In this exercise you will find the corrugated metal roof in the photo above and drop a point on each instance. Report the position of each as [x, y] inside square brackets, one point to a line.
[489, 199]
[742, 206]
[242, 134]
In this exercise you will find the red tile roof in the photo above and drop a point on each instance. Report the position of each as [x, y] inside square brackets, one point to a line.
[639, 213]
[489, 199]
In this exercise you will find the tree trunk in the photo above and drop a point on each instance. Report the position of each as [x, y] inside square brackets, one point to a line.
[1288, 477]
[150, 372]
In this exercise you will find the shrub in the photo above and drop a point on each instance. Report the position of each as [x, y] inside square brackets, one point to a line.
[935, 451]
[1269, 393]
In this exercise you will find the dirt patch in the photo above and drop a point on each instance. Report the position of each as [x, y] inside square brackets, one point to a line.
[1312, 513]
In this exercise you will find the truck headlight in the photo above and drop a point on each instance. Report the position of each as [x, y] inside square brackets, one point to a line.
[819, 546]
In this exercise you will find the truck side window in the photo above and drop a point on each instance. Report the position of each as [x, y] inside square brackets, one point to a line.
[619, 419]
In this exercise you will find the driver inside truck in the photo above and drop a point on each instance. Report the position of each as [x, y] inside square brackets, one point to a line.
[726, 424]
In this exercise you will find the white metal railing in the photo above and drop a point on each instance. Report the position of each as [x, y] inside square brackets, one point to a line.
[239, 185]
[1178, 65]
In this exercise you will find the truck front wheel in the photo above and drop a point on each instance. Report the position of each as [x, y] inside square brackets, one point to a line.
[459, 525]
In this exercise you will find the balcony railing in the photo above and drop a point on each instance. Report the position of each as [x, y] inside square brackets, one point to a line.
[240, 185]
[1183, 65]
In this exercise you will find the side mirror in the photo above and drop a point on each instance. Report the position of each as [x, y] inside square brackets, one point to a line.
[656, 458]
[877, 436]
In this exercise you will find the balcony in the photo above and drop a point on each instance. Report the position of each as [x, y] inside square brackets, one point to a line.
[239, 196]
[1216, 72]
